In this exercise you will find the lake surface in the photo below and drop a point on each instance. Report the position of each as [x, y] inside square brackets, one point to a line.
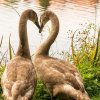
[71, 14]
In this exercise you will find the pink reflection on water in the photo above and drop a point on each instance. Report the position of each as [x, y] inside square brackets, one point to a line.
[86, 2]
[61, 2]
[2, 1]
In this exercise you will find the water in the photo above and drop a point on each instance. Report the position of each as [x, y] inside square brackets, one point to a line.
[71, 14]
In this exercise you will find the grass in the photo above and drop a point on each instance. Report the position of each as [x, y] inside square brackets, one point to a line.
[96, 97]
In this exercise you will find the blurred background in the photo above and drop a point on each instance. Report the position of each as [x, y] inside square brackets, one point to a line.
[72, 14]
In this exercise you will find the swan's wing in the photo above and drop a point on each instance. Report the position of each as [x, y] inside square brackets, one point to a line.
[17, 81]
[74, 80]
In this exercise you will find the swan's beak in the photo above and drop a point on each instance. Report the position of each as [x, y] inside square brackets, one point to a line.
[41, 28]
[37, 24]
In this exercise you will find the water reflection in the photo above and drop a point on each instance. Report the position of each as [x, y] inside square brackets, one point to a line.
[86, 2]
[71, 14]
[8, 1]
[2, 1]
[61, 3]
[44, 3]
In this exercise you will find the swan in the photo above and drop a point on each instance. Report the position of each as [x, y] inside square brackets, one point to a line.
[19, 78]
[63, 80]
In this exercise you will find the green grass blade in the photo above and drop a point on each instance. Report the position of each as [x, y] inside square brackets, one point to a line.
[1, 40]
[10, 50]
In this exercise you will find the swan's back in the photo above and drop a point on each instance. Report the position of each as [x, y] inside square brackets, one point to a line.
[19, 79]
[57, 66]
[59, 74]
[20, 69]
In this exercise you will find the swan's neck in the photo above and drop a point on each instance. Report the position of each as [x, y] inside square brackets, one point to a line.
[23, 49]
[45, 46]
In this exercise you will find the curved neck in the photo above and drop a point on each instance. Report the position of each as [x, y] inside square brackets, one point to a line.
[23, 49]
[45, 46]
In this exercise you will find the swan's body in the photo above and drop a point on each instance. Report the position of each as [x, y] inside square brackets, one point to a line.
[19, 78]
[62, 80]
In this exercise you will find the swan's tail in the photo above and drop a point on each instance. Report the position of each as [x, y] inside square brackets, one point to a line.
[70, 92]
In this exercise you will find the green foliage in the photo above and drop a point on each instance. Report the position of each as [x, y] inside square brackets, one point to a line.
[97, 53]
[91, 77]
[83, 43]
[96, 97]
[1, 72]
[41, 92]
[83, 57]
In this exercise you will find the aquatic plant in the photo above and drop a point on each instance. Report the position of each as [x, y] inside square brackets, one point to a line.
[84, 55]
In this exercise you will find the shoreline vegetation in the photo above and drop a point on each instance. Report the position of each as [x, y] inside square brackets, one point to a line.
[85, 54]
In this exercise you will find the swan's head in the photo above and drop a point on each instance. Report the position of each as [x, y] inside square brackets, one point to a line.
[32, 16]
[44, 19]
